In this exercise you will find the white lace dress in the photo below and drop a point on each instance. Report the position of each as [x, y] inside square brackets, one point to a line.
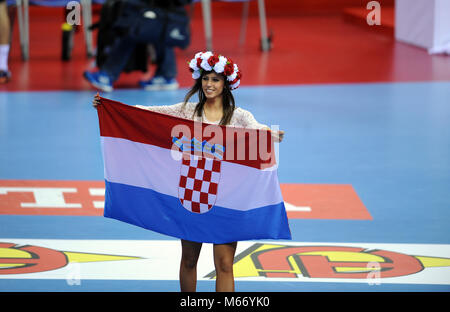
[241, 118]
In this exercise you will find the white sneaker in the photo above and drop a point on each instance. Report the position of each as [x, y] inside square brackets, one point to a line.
[159, 83]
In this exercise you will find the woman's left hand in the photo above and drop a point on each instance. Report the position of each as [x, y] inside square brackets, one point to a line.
[278, 135]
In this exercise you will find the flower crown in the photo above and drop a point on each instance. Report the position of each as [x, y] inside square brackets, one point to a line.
[215, 62]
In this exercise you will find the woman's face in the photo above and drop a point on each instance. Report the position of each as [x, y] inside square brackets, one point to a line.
[212, 85]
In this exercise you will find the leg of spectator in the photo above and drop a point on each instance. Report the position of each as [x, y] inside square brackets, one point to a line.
[166, 62]
[5, 75]
[166, 70]
[118, 58]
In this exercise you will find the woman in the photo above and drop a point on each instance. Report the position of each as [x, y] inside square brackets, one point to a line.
[215, 76]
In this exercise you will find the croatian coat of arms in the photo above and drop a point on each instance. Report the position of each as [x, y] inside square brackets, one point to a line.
[199, 174]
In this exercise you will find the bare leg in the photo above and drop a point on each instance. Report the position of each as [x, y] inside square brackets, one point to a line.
[4, 43]
[4, 24]
[190, 252]
[223, 261]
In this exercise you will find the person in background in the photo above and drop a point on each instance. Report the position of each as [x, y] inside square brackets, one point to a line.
[166, 71]
[5, 74]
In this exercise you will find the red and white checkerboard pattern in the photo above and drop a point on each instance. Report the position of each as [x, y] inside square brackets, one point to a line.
[199, 179]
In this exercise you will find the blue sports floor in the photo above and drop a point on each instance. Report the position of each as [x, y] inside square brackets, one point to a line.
[389, 141]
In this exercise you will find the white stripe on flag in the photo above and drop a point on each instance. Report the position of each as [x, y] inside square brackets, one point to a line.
[152, 167]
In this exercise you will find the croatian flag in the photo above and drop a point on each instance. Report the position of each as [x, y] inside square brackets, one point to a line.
[190, 180]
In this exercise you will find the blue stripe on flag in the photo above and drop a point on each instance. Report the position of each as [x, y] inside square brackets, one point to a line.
[164, 214]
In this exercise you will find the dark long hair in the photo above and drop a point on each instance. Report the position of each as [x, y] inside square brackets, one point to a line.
[227, 99]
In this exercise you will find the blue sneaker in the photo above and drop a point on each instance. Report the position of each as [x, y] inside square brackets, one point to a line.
[159, 83]
[99, 79]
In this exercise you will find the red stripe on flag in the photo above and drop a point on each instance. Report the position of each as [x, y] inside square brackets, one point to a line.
[249, 147]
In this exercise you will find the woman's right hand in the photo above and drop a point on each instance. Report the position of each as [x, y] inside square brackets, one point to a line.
[96, 100]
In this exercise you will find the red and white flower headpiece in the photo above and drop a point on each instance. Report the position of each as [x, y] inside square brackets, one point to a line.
[218, 63]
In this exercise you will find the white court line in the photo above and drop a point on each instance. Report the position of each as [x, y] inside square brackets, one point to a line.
[290, 207]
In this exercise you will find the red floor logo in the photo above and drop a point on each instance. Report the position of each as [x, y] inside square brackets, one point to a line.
[302, 201]
[33, 259]
[340, 262]
[29, 259]
[41, 197]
